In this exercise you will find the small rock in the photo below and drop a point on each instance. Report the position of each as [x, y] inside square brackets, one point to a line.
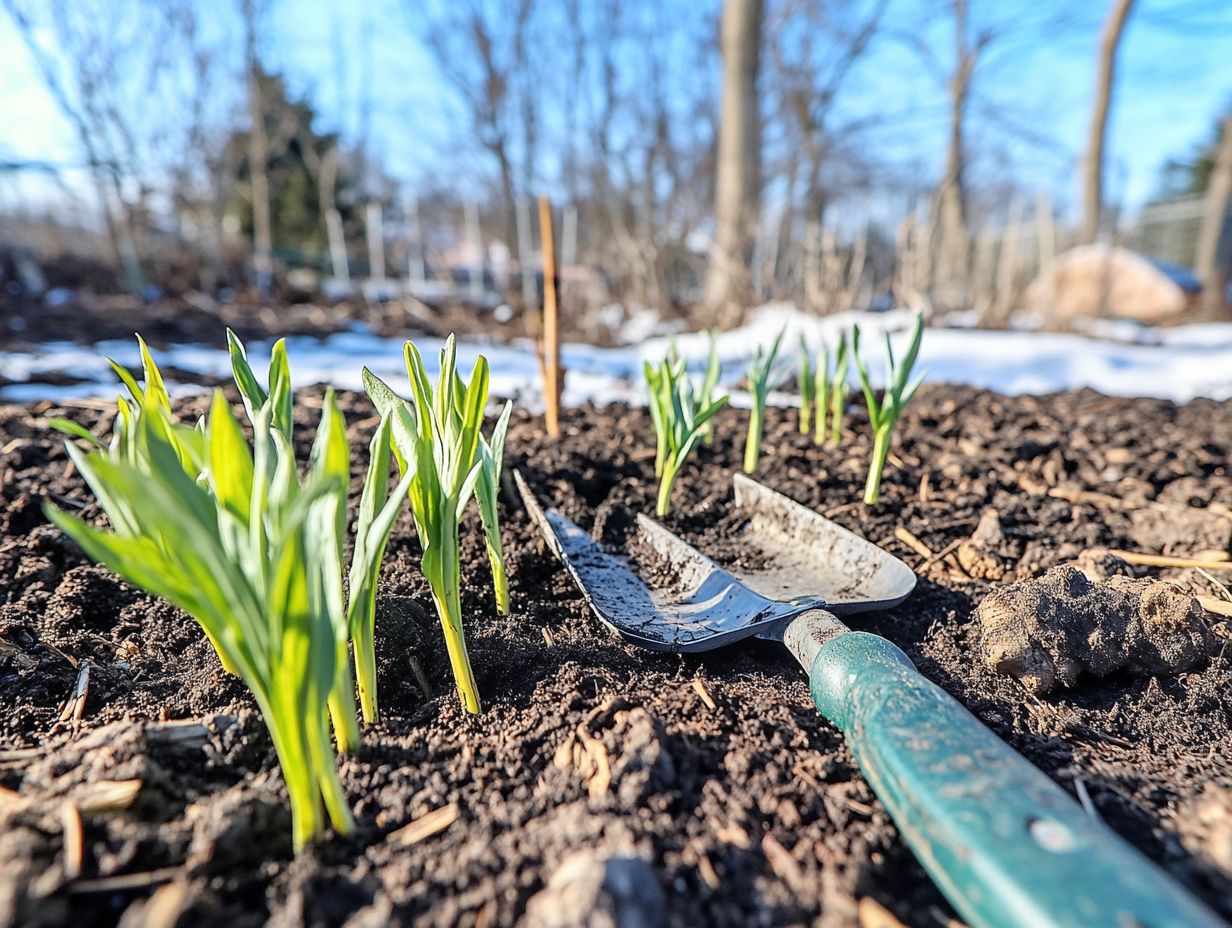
[1047, 631]
[589, 890]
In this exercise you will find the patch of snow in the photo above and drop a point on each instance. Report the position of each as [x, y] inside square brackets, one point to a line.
[1128, 359]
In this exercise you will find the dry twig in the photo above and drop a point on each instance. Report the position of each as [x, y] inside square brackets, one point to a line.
[873, 914]
[914, 543]
[425, 826]
[74, 840]
[75, 705]
[700, 688]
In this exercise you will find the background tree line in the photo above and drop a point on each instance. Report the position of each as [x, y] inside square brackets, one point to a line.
[718, 153]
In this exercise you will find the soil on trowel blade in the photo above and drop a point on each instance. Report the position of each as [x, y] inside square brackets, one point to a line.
[711, 775]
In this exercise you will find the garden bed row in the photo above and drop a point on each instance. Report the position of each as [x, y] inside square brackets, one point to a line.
[712, 778]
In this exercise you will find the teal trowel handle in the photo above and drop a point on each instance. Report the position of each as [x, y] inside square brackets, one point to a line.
[1006, 845]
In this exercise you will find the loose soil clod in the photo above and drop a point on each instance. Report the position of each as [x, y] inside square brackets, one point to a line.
[1047, 631]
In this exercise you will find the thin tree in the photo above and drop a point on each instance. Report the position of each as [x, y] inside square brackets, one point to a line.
[1214, 240]
[86, 81]
[258, 155]
[812, 48]
[738, 168]
[1093, 159]
[952, 238]
[487, 56]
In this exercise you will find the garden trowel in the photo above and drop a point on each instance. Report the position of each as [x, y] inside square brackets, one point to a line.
[1007, 846]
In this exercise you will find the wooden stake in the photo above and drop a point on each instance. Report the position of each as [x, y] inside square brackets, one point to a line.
[551, 324]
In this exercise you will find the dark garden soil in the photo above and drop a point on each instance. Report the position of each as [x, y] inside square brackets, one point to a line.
[717, 772]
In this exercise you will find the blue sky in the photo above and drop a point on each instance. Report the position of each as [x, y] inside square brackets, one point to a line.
[1175, 77]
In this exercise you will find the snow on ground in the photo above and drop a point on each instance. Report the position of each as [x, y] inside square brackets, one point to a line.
[1113, 357]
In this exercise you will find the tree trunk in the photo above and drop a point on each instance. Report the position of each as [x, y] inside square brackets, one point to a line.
[335, 236]
[736, 193]
[952, 239]
[374, 225]
[258, 156]
[1093, 160]
[1214, 241]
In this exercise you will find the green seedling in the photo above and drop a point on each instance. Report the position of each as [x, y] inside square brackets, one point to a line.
[838, 390]
[378, 508]
[249, 549]
[354, 618]
[680, 417]
[806, 381]
[759, 371]
[235, 553]
[821, 392]
[898, 392]
[487, 489]
[710, 383]
[442, 457]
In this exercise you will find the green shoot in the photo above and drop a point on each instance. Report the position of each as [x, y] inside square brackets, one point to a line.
[821, 392]
[443, 461]
[898, 392]
[487, 489]
[237, 550]
[253, 394]
[680, 418]
[807, 384]
[658, 410]
[377, 510]
[759, 385]
[710, 383]
[352, 620]
[251, 551]
[331, 460]
[838, 392]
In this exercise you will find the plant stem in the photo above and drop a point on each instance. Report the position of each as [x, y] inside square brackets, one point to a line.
[881, 448]
[227, 665]
[342, 702]
[365, 672]
[752, 443]
[665, 492]
[459, 660]
[836, 417]
[449, 607]
[308, 767]
[806, 415]
[327, 781]
[500, 579]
